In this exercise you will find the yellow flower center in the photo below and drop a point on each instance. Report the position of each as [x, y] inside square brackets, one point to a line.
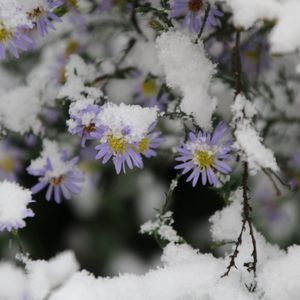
[143, 145]
[203, 159]
[7, 165]
[252, 55]
[118, 145]
[61, 75]
[71, 48]
[148, 87]
[73, 3]
[4, 34]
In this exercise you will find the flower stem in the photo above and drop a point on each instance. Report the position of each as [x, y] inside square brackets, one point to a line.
[18, 240]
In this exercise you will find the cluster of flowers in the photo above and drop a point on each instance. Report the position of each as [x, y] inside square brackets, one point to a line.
[125, 133]
[19, 18]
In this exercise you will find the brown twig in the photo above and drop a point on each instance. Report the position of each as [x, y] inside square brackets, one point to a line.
[247, 219]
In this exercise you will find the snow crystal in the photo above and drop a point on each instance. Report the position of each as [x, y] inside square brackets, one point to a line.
[221, 228]
[247, 139]
[52, 151]
[20, 109]
[285, 37]
[13, 205]
[12, 15]
[188, 69]
[29, 5]
[280, 277]
[78, 74]
[134, 118]
[163, 227]
[246, 13]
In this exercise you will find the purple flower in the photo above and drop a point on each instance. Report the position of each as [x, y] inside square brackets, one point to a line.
[75, 16]
[13, 40]
[60, 175]
[10, 161]
[105, 5]
[147, 93]
[150, 142]
[14, 201]
[43, 16]
[193, 12]
[206, 154]
[121, 151]
[83, 121]
[127, 135]
[255, 56]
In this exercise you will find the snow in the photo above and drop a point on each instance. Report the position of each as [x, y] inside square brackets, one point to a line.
[285, 35]
[161, 226]
[14, 200]
[76, 109]
[246, 13]
[29, 5]
[280, 276]
[188, 69]
[13, 284]
[45, 276]
[248, 142]
[78, 74]
[182, 277]
[20, 109]
[12, 15]
[51, 151]
[135, 118]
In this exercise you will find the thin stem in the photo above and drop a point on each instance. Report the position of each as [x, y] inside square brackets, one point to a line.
[247, 219]
[18, 240]
[169, 194]
[203, 23]
[134, 20]
[237, 65]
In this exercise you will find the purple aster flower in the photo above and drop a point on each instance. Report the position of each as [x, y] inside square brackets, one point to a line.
[255, 56]
[83, 121]
[58, 173]
[147, 93]
[75, 16]
[105, 5]
[206, 154]
[292, 173]
[10, 161]
[121, 151]
[43, 16]
[13, 40]
[127, 135]
[14, 200]
[193, 12]
[150, 142]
